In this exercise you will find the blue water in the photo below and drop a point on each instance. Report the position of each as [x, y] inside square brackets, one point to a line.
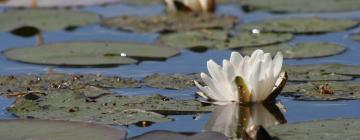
[187, 62]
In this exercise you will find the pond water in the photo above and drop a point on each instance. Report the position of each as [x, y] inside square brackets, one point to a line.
[187, 62]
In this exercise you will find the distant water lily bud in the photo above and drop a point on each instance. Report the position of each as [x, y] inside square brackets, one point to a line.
[255, 31]
[123, 54]
[190, 5]
[248, 79]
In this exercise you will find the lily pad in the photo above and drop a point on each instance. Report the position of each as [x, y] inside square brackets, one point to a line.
[323, 91]
[168, 135]
[175, 81]
[355, 37]
[89, 53]
[301, 50]
[170, 22]
[106, 109]
[45, 19]
[330, 68]
[191, 39]
[301, 5]
[53, 3]
[313, 130]
[90, 84]
[141, 2]
[247, 39]
[57, 130]
[317, 76]
[310, 25]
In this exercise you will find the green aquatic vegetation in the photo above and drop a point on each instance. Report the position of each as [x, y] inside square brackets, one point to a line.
[105, 108]
[323, 129]
[45, 19]
[192, 39]
[219, 39]
[323, 91]
[21, 129]
[170, 22]
[300, 50]
[308, 25]
[300, 5]
[247, 39]
[89, 53]
[167, 135]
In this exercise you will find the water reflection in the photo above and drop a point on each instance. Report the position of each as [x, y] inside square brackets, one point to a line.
[242, 122]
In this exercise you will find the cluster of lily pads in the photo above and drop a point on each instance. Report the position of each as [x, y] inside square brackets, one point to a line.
[89, 98]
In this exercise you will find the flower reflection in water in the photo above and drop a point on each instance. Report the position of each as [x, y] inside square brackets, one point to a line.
[242, 122]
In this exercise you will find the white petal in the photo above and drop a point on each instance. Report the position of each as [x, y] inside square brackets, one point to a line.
[277, 62]
[235, 59]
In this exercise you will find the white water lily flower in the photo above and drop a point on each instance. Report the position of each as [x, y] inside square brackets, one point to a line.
[244, 79]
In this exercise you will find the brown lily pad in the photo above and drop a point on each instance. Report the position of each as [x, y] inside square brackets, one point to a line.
[170, 22]
[323, 91]
[330, 68]
[106, 109]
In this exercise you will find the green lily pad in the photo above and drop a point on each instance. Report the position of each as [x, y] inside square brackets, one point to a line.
[170, 22]
[45, 19]
[323, 91]
[301, 5]
[247, 39]
[311, 25]
[331, 68]
[57, 130]
[53, 3]
[191, 39]
[106, 109]
[174, 81]
[355, 37]
[89, 53]
[301, 50]
[315, 130]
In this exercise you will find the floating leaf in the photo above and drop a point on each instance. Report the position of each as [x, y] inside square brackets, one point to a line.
[57, 130]
[170, 22]
[301, 50]
[53, 3]
[107, 109]
[175, 81]
[317, 76]
[45, 19]
[247, 39]
[301, 5]
[323, 91]
[331, 68]
[313, 130]
[167, 135]
[310, 25]
[191, 39]
[89, 53]
[355, 37]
